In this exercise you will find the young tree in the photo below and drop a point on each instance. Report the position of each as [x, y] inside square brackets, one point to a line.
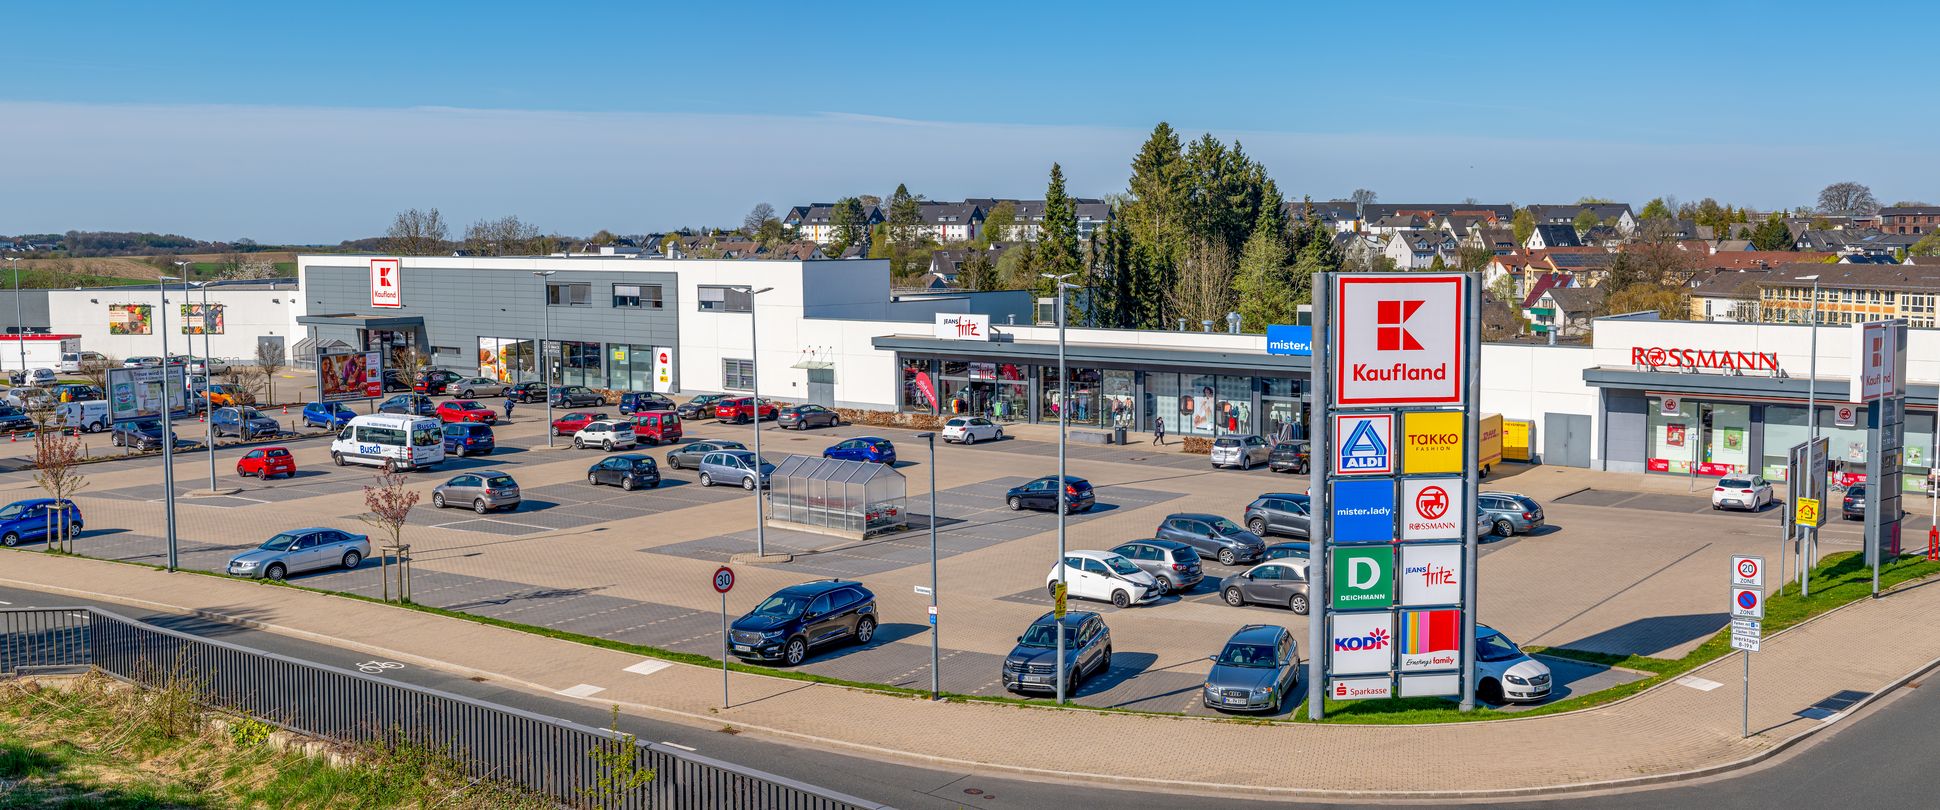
[1363, 196]
[57, 460]
[999, 223]
[1657, 208]
[1522, 225]
[389, 502]
[1203, 291]
[1058, 245]
[270, 360]
[96, 371]
[417, 233]
[757, 218]
[978, 272]
[1928, 245]
[1263, 284]
[905, 217]
[1847, 198]
[505, 236]
[1585, 220]
[849, 220]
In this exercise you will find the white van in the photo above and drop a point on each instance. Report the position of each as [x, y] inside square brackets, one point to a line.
[405, 442]
[91, 416]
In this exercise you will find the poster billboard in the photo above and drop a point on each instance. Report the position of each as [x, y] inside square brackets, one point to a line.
[344, 376]
[663, 369]
[131, 319]
[193, 322]
[135, 394]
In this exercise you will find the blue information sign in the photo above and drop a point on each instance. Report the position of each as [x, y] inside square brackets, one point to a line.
[1290, 340]
[1364, 511]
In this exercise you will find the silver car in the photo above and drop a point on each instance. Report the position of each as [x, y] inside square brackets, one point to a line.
[689, 455]
[1240, 450]
[484, 490]
[299, 550]
[475, 387]
[733, 467]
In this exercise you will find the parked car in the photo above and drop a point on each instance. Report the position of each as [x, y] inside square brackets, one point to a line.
[142, 361]
[1213, 535]
[971, 429]
[605, 436]
[572, 422]
[223, 394]
[1290, 456]
[1503, 672]
[1853, 505]
[331, 415]
[655, 427]
[742, 409]
[1279, 513]
[1032, 665]
[735, 466]
[299, 550]
[435, 381]
[465, 410]
[1748, 492]
[76, 392]
[29, 399]
[1277, 582]
[1175, 565]
[1104, 576]
[394, 380]
[803, 417]
[21, 521]
[575, 396]
[627, 471]
[42, 377]
[468, 439]
[484, 490]
[75, 362]
[90, 415]
[1511, 513]
[527, 392]
[207, 366]
[1242, 451]
[691, 453]
[787, 625]
[1042, 495]
[1255, 671]
[475, 387]
[143, 435]
[264, 462]
[243, 423]
[700, 407]
[1296, 549]
[12, 419]
[409, 404]
[866, 448]
[638, 401]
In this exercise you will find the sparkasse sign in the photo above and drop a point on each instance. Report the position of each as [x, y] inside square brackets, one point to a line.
[1399, 339]
[1361, 688]
[386, 283]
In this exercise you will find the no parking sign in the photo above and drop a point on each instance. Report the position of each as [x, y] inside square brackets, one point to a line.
[1747, 603]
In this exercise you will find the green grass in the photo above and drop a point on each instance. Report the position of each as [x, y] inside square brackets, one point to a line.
[199, 271]
[40, 279]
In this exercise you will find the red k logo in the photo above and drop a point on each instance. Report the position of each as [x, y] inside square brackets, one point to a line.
[1391, 333]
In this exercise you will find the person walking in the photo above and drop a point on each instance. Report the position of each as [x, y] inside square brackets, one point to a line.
[508, 404]
[1158, 431]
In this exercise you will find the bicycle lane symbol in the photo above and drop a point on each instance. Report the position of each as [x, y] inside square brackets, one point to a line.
[378, 667]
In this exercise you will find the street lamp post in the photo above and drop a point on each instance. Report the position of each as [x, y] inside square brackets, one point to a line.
[168, 429]
[754, 407]
[1812, 422]
[935, 625]
[20, 325]
[1064, 506]
[208, 396]
[545, 363]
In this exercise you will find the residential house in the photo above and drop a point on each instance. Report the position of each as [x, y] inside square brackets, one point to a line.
[1499, 241]
[1845, 242]
[954, 222]
[1851, 293]
[1727, 295]
[1359, 249]
[1418, 250]
[1396, 223]
[816, 223]
[1346, 216]
[1913, 219]
[1552, 235]
[946, 264]
[1757, 259]
[1029, 224]
[1539, 285]
[1588, 268]
[1731, 246]
[1617, 214]
[1566, 312]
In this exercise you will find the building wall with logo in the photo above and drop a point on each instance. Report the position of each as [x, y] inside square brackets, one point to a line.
[246, 315]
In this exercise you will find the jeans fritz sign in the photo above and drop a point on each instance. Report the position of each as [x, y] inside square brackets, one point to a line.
[958, 326]
[1400, 340]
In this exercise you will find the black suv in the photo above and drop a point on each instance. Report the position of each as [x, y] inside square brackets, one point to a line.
[785, 626]
[435, 381]
[1042, 495]
[1278, 513]
[576, 396]
[527, 392]
[700, 407]
[1033, 663]
[1288, 456]
[395, 380]
[638, 401]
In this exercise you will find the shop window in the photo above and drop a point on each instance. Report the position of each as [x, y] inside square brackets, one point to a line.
[579, 364]
[724, 299]
[737, 375]
[919, 387]
[636, 296]
[569, 294]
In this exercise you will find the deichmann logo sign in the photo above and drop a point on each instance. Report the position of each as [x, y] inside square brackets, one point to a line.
[1678, 357]
[1362, 643]
[1428, 640]
[1363, 578]
[1431, 508]
[386, 283]
[1432, 441]
[1364, 444]
[1431, 574]
[1364, 511]
[1399, 339]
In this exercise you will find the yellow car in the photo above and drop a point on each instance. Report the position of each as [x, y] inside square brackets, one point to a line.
[225, 396]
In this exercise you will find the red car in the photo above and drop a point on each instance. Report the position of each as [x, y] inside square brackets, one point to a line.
[571, 423]
[466, 410]
[654, 427]
[264, 462]
[741, 409]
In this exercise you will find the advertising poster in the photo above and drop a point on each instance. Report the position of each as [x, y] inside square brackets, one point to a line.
[194, 324]
[492, 359]
[135, 394]
[349, 375]
[1674, 434]
[130, 319]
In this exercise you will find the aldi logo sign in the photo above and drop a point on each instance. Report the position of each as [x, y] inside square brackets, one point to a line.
[1364, 444]
[1399, 339]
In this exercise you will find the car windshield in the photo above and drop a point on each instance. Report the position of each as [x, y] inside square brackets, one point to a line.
[781, 606]
[150, 424]
[1496, 647]
[1045, 635]
[278, 543]
[1224, 526]
[468, 406]
[1735, 483]
[1120, 565]
[425, 437]
[250, 413]
[1248, 655]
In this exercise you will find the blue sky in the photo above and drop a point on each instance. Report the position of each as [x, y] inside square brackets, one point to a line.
[315, 122]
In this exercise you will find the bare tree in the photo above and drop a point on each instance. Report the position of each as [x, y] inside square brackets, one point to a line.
[1362, 196]
[417, 233]
[1847, 198]
[1203, 289]
[57, 458]
[390, 502]
[96, 371]
[270, 359]
[505, 236]
[758, 216]
[230, 266]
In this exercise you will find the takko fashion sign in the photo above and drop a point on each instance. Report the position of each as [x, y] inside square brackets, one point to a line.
[1721, 359]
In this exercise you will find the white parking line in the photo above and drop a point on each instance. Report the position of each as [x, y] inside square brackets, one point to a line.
[582, 690]
[648, 667]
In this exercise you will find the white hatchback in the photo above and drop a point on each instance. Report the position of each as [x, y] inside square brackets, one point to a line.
[605, 436]
[1503, 672]
[971, 429]
[1748, 492]
[1104, 576]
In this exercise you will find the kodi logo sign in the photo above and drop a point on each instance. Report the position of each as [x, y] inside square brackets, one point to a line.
[1398, 339]
[1361, 643]
[1660, 357]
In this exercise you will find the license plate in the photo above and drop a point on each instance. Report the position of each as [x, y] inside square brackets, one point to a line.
[1733, 501]
[1037, 679]
[1235, 701]
[743, 648]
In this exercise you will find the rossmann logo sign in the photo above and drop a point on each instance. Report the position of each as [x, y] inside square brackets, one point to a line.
[1400, 339]
[1662, 357]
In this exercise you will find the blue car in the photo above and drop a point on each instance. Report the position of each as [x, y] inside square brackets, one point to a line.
[798, 618]
[866, 448]
[28, 520]
[330, 415]
[243, 423]
[411, 404]
[468, 439]
[12, 419]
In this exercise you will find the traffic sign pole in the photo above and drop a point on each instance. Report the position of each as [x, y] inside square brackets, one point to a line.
[1747, 620]
[724, 582]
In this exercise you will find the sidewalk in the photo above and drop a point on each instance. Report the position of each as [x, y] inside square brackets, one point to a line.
[1672, 729]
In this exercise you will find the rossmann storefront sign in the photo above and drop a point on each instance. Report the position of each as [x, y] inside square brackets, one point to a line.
[1685, 357]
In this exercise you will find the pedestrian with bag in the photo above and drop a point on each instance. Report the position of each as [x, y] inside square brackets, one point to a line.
[1158, 431]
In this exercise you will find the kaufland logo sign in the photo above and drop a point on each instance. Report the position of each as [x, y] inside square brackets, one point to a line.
[1662, 357]
[1400, 339]
[385, 289]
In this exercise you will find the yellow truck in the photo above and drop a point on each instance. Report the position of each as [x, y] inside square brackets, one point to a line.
[1489, 452]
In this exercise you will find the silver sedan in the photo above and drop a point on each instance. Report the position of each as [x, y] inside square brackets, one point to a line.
[300, 550]
[475, 387]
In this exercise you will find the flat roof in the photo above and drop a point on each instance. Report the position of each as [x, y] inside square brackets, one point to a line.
[1045, 352]
[360, 321]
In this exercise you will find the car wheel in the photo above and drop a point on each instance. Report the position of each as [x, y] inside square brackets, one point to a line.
[673, 461]
[865, 630]
[467, 394]
[1121, 599]
[1226, 557]
[592, 479]
[118, 441]
[1104, 662]
[1505, 528]
[1015, 503]
[338, 458]
[276, 571]
[1064, 507]
[1298, 603]
[478, 505]
[1489, 690]
[969, 438]
[998, 435]
[1165, 586]
[352, 559]
[1246, 462]
[607, 445]
[748, 483]
[796, 650]
[438, 500]
[1257, 526]
[1234, 598]
[578, 445]
[626, 483]
[706, 481]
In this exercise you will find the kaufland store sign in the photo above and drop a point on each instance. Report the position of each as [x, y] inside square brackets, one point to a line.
[1702, 358]
[1400, 340]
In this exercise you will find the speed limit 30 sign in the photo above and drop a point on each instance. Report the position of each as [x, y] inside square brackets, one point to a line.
[723, 579]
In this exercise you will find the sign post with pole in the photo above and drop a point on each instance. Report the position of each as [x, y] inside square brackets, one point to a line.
[1747, 618]
[1880, 389]
[724, 582]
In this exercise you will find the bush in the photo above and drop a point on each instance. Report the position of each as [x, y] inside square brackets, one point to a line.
[912, 421]
[1198, 444]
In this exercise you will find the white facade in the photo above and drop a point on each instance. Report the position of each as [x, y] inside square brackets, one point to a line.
[247, 314]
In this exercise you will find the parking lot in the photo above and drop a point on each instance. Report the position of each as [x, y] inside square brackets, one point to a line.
[1622, 567]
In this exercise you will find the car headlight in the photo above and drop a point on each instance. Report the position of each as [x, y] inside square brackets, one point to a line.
[773, 634]
[1262, 691]
[244, 563]
[1516, 679]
